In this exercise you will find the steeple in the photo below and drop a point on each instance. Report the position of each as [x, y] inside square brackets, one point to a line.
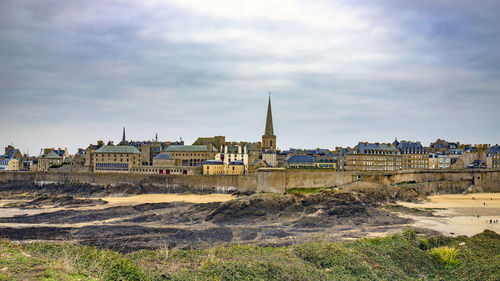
[269, 121]
[123, 137]
[269, 139]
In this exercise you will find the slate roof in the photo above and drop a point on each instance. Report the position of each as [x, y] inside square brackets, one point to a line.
[118, 149]
[51, 155]
[236, 162]
[189, 148]
[494, 149]
[163, 156]
[411, 147]
[301, 159]
[363, 147]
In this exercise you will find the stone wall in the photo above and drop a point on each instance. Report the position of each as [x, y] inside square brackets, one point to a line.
[277, 182]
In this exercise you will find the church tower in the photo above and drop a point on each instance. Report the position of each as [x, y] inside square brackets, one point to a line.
[269, 139]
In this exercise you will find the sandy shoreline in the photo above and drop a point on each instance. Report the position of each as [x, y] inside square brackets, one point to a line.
[467, 214]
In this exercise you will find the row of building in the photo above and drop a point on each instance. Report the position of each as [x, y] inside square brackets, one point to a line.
[216, 156]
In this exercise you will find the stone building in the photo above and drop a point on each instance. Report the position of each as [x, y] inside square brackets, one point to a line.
[192, 155]
[48, 160]
[493, 157]
[414, 155]
[213, 167]
[233, 153]
[116, 159]
[439, 161]
[300, 161]
[371, 157]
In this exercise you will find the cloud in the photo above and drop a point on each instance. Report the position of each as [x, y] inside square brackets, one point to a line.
[340, 71]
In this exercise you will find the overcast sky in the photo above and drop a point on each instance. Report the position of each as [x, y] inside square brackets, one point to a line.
[73, 72]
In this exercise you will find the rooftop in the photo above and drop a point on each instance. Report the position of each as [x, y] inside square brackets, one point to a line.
[118, 149]
[189, 148]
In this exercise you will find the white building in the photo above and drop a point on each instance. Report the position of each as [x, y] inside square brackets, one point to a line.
[233, 153]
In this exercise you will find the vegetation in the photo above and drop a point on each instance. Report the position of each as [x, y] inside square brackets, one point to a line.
[410, 211]
[307, 190]
[447, 255]
[405, 256]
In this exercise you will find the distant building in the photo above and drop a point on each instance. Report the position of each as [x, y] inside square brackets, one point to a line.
[371, 157]
[213, 167]
[115, 159]
[49, 160]
[413, 154]
[493, 158]
[439, 161]
[233, 153]
[300, 161]
[192, 155]
[270, 157]
[327, 161]
[218, 141]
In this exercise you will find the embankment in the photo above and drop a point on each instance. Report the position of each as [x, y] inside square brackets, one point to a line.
[451, 181]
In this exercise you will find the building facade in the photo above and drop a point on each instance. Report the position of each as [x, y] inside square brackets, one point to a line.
[192, 155]
[493, 158]
[372, 157]
[414, 155]
[48, 160]
[439, 161]
[233, 153]
[116, 159]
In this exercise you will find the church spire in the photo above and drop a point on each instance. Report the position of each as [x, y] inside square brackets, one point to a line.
[269, 121]
[123, 137]
[269, 139]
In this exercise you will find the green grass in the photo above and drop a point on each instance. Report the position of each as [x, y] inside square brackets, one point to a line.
[447, 255]
[405, 256]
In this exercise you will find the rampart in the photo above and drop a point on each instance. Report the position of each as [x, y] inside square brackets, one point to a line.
[277, 182]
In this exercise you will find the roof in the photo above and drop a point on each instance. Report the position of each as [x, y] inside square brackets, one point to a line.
[410, 147]
[494, 149]
[190, 148]
[163, 156]
[301, 159]
[363, 147]
[51, 155]
[213, 162]
[236, 162]
[118, 149]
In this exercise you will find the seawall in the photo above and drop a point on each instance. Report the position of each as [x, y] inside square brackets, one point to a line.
[277, 182]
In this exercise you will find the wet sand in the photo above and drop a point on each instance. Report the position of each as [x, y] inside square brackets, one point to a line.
[462, 215]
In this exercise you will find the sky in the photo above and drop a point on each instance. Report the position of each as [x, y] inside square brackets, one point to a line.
[339, 72]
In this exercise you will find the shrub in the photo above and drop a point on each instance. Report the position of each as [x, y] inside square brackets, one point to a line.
[447, 255]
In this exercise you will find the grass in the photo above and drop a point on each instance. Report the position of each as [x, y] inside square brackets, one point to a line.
[447, 255]
[406, 256]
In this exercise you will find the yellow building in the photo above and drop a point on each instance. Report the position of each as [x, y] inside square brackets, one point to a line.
[49, 160]
[235, 168]
[14, 165]
[213, 167]
[217, 167]
[372, 157]
[413, 155]
[116, 159]
[192, 155]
